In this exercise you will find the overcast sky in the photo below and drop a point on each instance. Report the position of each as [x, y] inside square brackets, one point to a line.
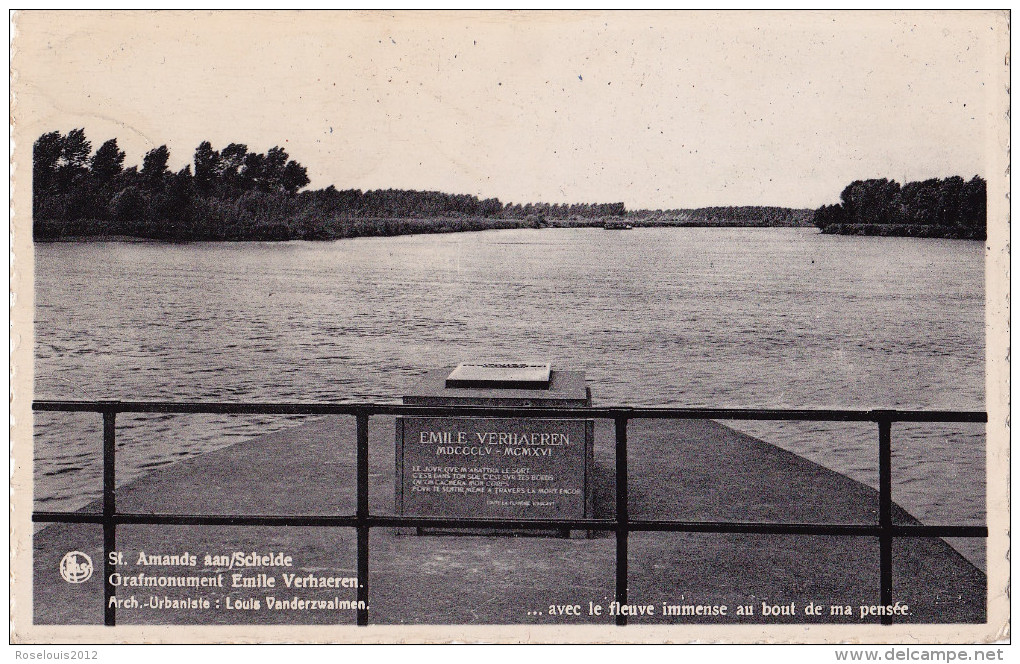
[656, 110]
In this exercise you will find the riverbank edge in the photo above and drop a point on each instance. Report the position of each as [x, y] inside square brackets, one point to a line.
[906, 230]
[387, 227]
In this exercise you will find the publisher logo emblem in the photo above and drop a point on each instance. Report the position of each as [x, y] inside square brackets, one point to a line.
[76, 567]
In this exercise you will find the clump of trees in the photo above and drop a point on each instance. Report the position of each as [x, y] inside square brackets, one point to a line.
[237, 194]
[78, 192]
[949, 207]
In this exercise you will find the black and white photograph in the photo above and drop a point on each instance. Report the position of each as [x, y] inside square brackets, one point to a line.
[510, 326]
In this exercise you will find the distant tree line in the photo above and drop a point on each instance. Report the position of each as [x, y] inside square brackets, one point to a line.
[238, 194]
[564, 211]
[737, 215]
[949, 207]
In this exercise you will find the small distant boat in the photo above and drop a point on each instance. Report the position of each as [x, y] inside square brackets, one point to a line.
[617, 226]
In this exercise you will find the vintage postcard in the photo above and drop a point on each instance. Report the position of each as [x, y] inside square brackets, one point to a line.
[589, 327]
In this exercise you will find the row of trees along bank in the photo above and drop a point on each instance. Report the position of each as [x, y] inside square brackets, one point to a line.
[950, 207]
[763, 216]
[238, 194]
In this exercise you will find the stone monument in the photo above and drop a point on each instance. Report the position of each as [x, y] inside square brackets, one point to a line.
[514, 467]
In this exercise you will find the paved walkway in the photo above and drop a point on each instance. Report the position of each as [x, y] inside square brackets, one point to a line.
[694, 470]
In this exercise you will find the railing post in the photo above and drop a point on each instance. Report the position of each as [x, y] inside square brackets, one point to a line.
[885, 510]
[622, 517]
[362, 517]
[109, 509]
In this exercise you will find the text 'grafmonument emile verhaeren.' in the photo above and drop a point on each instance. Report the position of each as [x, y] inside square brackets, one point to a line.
[500, 467]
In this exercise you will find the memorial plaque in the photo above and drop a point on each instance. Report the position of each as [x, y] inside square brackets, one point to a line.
[505, 467]
[515, 467]
[514, 375]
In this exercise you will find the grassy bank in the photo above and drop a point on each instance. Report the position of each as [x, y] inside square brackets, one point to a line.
[295, 229]
[907, 230]
[299, 228]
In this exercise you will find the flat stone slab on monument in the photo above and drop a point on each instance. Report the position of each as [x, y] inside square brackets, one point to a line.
[511, 375]
[567, 389]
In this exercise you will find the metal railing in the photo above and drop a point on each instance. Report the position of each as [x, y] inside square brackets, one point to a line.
[363, 520]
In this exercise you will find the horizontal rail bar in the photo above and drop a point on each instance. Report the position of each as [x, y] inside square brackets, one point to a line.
[196, 519]
[837, 529]
[940, 531]
[610, 412]
[510, 524]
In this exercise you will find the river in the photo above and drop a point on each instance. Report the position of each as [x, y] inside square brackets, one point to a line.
[784, 318]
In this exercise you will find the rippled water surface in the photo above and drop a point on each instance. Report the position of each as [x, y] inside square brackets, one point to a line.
[783, 318]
